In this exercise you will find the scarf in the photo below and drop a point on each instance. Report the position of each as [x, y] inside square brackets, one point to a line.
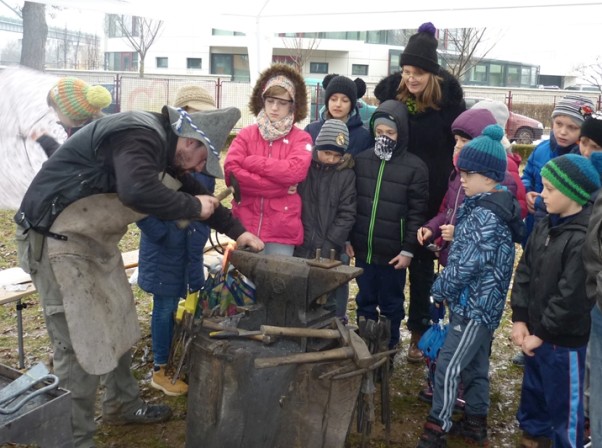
[271, 131]
[383, 147]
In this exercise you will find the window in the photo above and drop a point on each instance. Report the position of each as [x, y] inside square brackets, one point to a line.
[236, 65]
[359, 70]
[121, 61]
[478, 74]
[512, 76]
[194, 63]
[162, 62]
[121, 26]
[495, 75]
[318, 67]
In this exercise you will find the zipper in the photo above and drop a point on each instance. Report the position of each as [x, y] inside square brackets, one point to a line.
[379, 179]
[261, 202]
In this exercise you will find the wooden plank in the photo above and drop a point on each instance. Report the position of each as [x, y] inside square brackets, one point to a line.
[13, 296]
[130, 259]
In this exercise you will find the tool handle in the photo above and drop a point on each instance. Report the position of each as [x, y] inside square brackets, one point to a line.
[224, 194]
[323, 333]
[296, 358]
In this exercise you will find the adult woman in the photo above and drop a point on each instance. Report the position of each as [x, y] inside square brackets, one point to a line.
[270, 158]
[434, 99]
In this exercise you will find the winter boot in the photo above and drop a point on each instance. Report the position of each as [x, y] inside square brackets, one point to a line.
[473, 429]
[415, 355]
[162, 381]
[528, 441]
[433, 436]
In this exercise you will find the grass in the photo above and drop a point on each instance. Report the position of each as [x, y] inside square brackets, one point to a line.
[408, 413]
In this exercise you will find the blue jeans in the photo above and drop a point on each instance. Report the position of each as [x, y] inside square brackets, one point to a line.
[162, 323]
[381, 289]
[595, 380]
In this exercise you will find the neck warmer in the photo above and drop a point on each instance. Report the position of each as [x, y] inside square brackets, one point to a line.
[271, 131]
[383, 147]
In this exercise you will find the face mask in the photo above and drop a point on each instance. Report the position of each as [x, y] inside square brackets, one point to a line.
[383, 147]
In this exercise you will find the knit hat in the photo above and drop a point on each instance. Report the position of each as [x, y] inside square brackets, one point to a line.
[573, 175]
[470, 123]
[281, 81]
[421, 50]
[390, 122]
[498, 109]
[574, 106]
[78, 100]
[194, 97]
[592, 128]
[211, 127]
[344, 85]
[485, 154]
[333, 136]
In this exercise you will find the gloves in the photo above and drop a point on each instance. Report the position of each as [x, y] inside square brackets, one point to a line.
[437, 311]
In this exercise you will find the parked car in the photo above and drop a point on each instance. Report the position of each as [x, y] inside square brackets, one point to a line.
[520, 128]
[584, 88]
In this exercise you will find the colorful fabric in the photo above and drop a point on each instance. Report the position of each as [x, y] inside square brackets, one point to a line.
[573, 175]
[78, 100]
[273, 130]
[485, 154]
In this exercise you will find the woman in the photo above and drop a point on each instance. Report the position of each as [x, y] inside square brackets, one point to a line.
[434, 99]
[269, 159]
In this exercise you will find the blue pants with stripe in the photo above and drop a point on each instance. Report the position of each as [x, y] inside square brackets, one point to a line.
[551, 403]
[464, 356]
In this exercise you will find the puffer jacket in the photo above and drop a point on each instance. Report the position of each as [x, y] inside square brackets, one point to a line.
[392, 196]
[592, 254]
[481, 259]
[513, 162]
[549, 291]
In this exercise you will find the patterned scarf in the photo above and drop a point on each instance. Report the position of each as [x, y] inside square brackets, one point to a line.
[271, 131]
[383, 147]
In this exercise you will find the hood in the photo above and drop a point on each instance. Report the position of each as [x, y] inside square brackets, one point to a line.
[452, 93]
[398, 112]
[256, 100]
[506, 207]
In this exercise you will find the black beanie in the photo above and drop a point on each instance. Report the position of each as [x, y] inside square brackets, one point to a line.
[421, 50]
[341, 84]
[592, 128]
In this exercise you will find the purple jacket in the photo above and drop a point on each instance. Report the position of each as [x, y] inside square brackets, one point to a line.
[448, 211]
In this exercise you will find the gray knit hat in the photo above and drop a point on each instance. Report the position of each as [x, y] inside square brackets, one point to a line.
[333, 136]
[210, 127]
[575, 107]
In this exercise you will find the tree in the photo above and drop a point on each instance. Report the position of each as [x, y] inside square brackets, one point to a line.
[466, 47]
[140, 33]
[592, 73]
[301, 49]
[35, 31]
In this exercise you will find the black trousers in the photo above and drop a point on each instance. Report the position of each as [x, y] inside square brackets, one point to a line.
[421, 280]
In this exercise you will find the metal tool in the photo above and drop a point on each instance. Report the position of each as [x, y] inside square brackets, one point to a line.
[24, 388]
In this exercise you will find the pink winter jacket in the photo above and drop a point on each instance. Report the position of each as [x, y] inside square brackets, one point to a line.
[265, 171]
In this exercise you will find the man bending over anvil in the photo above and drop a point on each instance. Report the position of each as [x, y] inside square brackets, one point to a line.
[111, 173]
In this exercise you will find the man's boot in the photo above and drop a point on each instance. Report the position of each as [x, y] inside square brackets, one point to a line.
[528, 441]
[415, 355]
[473, 429]
[432, 436]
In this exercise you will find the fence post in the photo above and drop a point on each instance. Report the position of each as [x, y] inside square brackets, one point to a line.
[509, 100]
[218, 93]
[118, 92]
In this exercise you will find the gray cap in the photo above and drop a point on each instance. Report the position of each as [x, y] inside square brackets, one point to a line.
[333, 136]
[211, 128]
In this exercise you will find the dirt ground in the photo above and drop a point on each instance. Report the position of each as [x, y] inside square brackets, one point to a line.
[408, 413]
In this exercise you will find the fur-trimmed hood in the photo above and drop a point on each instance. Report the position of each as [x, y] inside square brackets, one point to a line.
[256, 100]
[452, 92]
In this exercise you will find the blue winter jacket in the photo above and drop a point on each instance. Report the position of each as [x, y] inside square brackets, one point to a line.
[481, 258]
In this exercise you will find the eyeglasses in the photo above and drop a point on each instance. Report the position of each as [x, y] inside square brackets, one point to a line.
[464, 173]
[279, 102]
[417, 76]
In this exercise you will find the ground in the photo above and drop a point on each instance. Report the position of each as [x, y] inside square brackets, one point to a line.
[407, 379]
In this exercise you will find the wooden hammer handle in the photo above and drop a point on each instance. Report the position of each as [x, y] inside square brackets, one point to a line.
[296, 358]
[323, 333]
[224, 194]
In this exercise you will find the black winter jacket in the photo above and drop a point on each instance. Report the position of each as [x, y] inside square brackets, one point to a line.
[549, 283]
[391, 196]
[431, 137]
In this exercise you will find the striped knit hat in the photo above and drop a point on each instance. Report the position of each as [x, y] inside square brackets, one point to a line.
[485, 154]
[575, 107]
[78, 100]
[333, 136]
[573, 175]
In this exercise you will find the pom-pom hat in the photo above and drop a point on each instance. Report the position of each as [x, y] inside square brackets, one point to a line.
[485, 154]
[78, 100]
[471, 122]
[341, 84]
[573, 175]
[421, 50]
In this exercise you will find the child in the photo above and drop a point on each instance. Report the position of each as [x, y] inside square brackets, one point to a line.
[567, 118]
[329, 198]
[590, 139]
[550, 309]
[269, 159]
[392, 195]
[474, 284]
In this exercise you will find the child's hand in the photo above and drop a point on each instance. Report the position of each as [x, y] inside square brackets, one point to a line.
[519, 333]
[401, 261]
[349, 250]
[292, 189]
[447, 232]
[530, 343]
[424, 234]
[530, 199]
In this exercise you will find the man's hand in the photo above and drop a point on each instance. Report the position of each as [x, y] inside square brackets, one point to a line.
[530, 343]
[530, 199]
[249, 240]
[423, 235]
[208, 205]
[519, 333]
[401, 261]
[349, 250]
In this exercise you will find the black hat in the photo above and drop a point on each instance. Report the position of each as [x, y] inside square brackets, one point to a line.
[421, 50]
[592, 128]
[344, 85]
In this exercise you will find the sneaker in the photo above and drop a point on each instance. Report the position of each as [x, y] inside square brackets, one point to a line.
[164, 383]
[473, 429]
[415, 355]
[519, 359]
[147, 413]
[433, 436]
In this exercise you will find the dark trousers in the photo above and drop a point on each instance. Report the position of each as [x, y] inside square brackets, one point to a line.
[421, 280]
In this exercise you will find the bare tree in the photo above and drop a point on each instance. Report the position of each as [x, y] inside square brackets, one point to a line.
[592, 73]
[140, 33]
[35, 31]
[301, 49]
[466, 47]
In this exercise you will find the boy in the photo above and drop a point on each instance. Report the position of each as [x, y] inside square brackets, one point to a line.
[590, 140]
[392, 196]
[474, 283]
[328, 198]
[550, 309]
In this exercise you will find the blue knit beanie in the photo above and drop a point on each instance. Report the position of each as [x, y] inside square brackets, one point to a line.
[573, 175]
[485, 154]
